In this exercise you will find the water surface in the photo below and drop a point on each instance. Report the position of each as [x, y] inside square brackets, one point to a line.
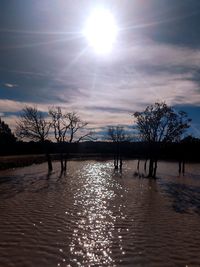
[93, 216]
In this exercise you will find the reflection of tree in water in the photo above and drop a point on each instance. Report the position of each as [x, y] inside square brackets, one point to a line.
[184, 198]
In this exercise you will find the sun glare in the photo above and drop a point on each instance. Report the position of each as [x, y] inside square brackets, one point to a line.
[101, 30]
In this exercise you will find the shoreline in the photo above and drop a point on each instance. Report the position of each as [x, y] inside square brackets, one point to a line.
[17, 161]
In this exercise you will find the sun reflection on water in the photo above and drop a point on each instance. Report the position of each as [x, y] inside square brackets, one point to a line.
[92, 237]
[95, 216]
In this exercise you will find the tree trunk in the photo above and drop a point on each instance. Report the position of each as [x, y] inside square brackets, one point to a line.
[65, 163]
[155, 168]
[48, 157]
[183, 167]
[114, 161]
[121, 163]
[61, 162]
[151, 165]
[145, 165]
[179, 166]
[138, 165]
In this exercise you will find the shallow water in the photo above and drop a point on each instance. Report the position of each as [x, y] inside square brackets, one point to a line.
[93, 216]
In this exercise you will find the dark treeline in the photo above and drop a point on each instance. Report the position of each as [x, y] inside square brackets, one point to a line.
[188, 149]
[159, 129]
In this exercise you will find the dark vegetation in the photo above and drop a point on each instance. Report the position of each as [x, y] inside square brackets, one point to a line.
[7, 138]
[189, 147]
[118, 136]
[159, 137]
[159, 125]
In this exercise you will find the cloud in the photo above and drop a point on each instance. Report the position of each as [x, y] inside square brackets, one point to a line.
[53, 66]
[10, 85]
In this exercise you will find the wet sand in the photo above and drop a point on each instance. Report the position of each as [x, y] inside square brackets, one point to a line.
[93, 216]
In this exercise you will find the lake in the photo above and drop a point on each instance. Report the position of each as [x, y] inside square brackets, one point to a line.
[95, 216]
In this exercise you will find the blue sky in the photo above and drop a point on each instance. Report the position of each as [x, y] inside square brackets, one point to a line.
[45, 60]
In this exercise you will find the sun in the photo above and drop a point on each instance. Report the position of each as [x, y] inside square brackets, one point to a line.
[101, 30]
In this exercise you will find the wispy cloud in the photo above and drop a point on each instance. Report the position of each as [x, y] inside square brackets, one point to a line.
[149, 63]
[10, 85]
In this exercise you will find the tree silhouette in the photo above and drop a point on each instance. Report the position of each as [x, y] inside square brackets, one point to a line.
[159, 123]
[32, 125]
[6, 136]
[76, 125]
[117, 135]
[59, 123]
[67, 127]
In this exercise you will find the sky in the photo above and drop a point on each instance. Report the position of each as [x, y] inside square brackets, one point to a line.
[45, 60]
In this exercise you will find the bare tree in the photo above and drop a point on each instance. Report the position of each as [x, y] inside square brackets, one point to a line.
[117, 135]
[76, 125]
[67, 127]
[32, 125]
[157, 124]
[59, 123]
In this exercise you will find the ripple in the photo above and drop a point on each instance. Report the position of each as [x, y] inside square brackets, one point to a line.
[94, 216]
